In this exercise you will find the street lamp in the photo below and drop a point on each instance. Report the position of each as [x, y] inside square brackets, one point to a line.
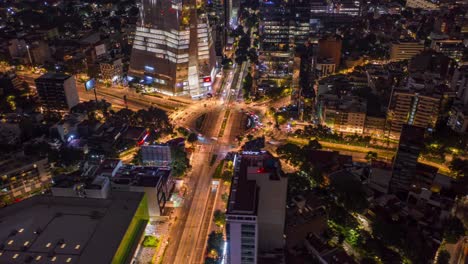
[29, 55]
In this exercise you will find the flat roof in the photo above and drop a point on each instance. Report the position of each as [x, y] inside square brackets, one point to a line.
[54, 76]
[144, 176]
[48, 229]
[243, 198]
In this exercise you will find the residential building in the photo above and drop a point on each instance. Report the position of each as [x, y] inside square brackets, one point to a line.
[406, 159]
[111, 70]
[57, 91]
[404, 50]
[22, 177]
[346, 114]
[173, 51]
[256, 208]
[325, 67]
[452, 48]
[156, 182]
[458, 118]
[330, 47]
[156, 155]
[375, 126]
[9, 82]
[86, 187]
[49, 229]
[459, 83]
[422, 4]
[413, 107]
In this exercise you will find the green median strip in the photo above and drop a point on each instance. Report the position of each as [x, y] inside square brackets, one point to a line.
[224, 124]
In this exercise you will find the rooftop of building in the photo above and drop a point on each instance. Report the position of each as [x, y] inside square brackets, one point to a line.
[143, 176]
[156, 153]
[412, 135]
[243, 198]
[108, 166]
[66, 229]
[15, 162]
[346, 103]
[329, 159]
[54, 76]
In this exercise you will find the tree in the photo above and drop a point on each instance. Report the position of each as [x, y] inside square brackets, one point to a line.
[350, 193]
[180, 162]
[443, 257]
[371, 155]
[453, 230]
[298, 183]
[192, 138]
[219, 218]
[459, 167]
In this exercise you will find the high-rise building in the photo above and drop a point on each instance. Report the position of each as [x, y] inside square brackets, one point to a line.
[409, 106]
[406, 159]
[256, 208]
[276, 50]
[173, 50]
[403, 50]
[330, 47]
[57, 91]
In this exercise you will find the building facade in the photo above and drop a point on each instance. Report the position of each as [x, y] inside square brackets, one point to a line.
[406, 159]
[57, 92]
[173, 50]
[256, 208]
[22, 177]
[410, 107]
[404, 50]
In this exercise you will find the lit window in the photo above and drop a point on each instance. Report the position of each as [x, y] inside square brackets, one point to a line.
[10, 242]
[21, 230]
[26, 243]
[48, 244]
[63, 245]
[69, 260]
[38, 258]
[77, 247]
[16, 255]
[53, 259]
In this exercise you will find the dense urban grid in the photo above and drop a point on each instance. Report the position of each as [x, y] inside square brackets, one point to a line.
[234, 131]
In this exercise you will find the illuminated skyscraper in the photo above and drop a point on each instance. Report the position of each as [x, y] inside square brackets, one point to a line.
[173, 50]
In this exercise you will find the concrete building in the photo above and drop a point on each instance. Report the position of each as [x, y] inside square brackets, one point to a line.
[57, 91]
[458, 118]
[345, 114]
[330, 47]
[22, 177]
[406, 159]
[48, 229]
[156, 155]
[256, 208]
[156, 182]
[325, 67]
[422, 4]
[173, 51]
[375, 126]
[111, 70]
[404, 50]
[276, 52]
[452, 48]
[413, 107]
[9, 82]
[459, 84]
[68, 186]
